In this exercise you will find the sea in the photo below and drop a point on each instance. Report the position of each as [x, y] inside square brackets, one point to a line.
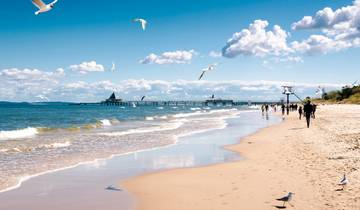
[37, 138]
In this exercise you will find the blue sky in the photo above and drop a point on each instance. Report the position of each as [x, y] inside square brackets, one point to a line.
[81, 31]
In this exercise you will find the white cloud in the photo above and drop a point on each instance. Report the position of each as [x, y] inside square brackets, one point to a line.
[175, 57]
[30, 75]
[53, 88]
[295, 59]
[27, 84]
[343, 18]
[289, 60]
[340, 28]
[257, 41]
[87, 67]
[320, 44]
[215, 54]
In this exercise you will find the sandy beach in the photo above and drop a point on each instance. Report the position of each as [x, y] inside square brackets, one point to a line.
[278, 159]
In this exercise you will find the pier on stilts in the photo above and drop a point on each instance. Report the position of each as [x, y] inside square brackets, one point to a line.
[113, 101]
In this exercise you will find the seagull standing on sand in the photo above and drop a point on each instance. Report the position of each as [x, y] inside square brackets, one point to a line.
[286, 198]
[42, 6]
[343, 182]
[209, 68]
[142, 21]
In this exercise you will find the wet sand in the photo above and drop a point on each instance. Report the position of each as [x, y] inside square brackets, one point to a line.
[278, 159]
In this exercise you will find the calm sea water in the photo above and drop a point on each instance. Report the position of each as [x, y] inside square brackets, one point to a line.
[64, 115]
[43, 137]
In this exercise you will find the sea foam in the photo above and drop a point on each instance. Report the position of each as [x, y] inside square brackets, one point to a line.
[106, 122]
[18, 134]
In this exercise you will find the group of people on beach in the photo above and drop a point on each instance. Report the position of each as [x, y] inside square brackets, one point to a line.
[307, 110]
[265, 108]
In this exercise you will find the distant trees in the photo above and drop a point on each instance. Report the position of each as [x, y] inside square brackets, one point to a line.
[346, 94]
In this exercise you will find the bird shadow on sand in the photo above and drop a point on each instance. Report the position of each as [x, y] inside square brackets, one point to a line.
[294, 129]
[110, 188]
[280, 207]
[339, 189]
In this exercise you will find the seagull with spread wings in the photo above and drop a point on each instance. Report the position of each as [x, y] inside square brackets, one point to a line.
[142, 22]
[209, 68]
[113, 67]
[355, 83]
[42, 6]
[320, 91]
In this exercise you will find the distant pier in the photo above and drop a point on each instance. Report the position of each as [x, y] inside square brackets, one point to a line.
[113, 101]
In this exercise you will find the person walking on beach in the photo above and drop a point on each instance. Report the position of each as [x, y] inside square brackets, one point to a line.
[263, 109]
[283, 109]
[300, 112]
[308, 110]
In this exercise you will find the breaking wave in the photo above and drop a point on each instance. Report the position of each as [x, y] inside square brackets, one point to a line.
[18, 134]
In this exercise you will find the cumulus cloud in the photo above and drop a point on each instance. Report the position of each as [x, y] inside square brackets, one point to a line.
[316, 44]
[87, 67]
[27, 84]
[30, 75]
[342, 18]
[340, 28]
[175, 57]
[258, 41]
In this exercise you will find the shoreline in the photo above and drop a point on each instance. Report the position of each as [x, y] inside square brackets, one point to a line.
[23, 179]
[277, 159]
[190, 151]
[90, 162]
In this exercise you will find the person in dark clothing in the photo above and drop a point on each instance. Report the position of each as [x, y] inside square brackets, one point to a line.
[283, 109]
[267, 108]
[308, 110]
[300, 112]
[314, 110]
[263, 109]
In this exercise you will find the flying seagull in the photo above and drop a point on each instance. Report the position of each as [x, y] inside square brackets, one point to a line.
[142, 21]
[142, 98]
[286, 198]
[320, 91]
[42, 6]
[209, 68]
[355, 83]
[113, 67]
[343, 182]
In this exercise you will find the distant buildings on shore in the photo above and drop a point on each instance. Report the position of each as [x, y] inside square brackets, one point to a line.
[112, 100]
